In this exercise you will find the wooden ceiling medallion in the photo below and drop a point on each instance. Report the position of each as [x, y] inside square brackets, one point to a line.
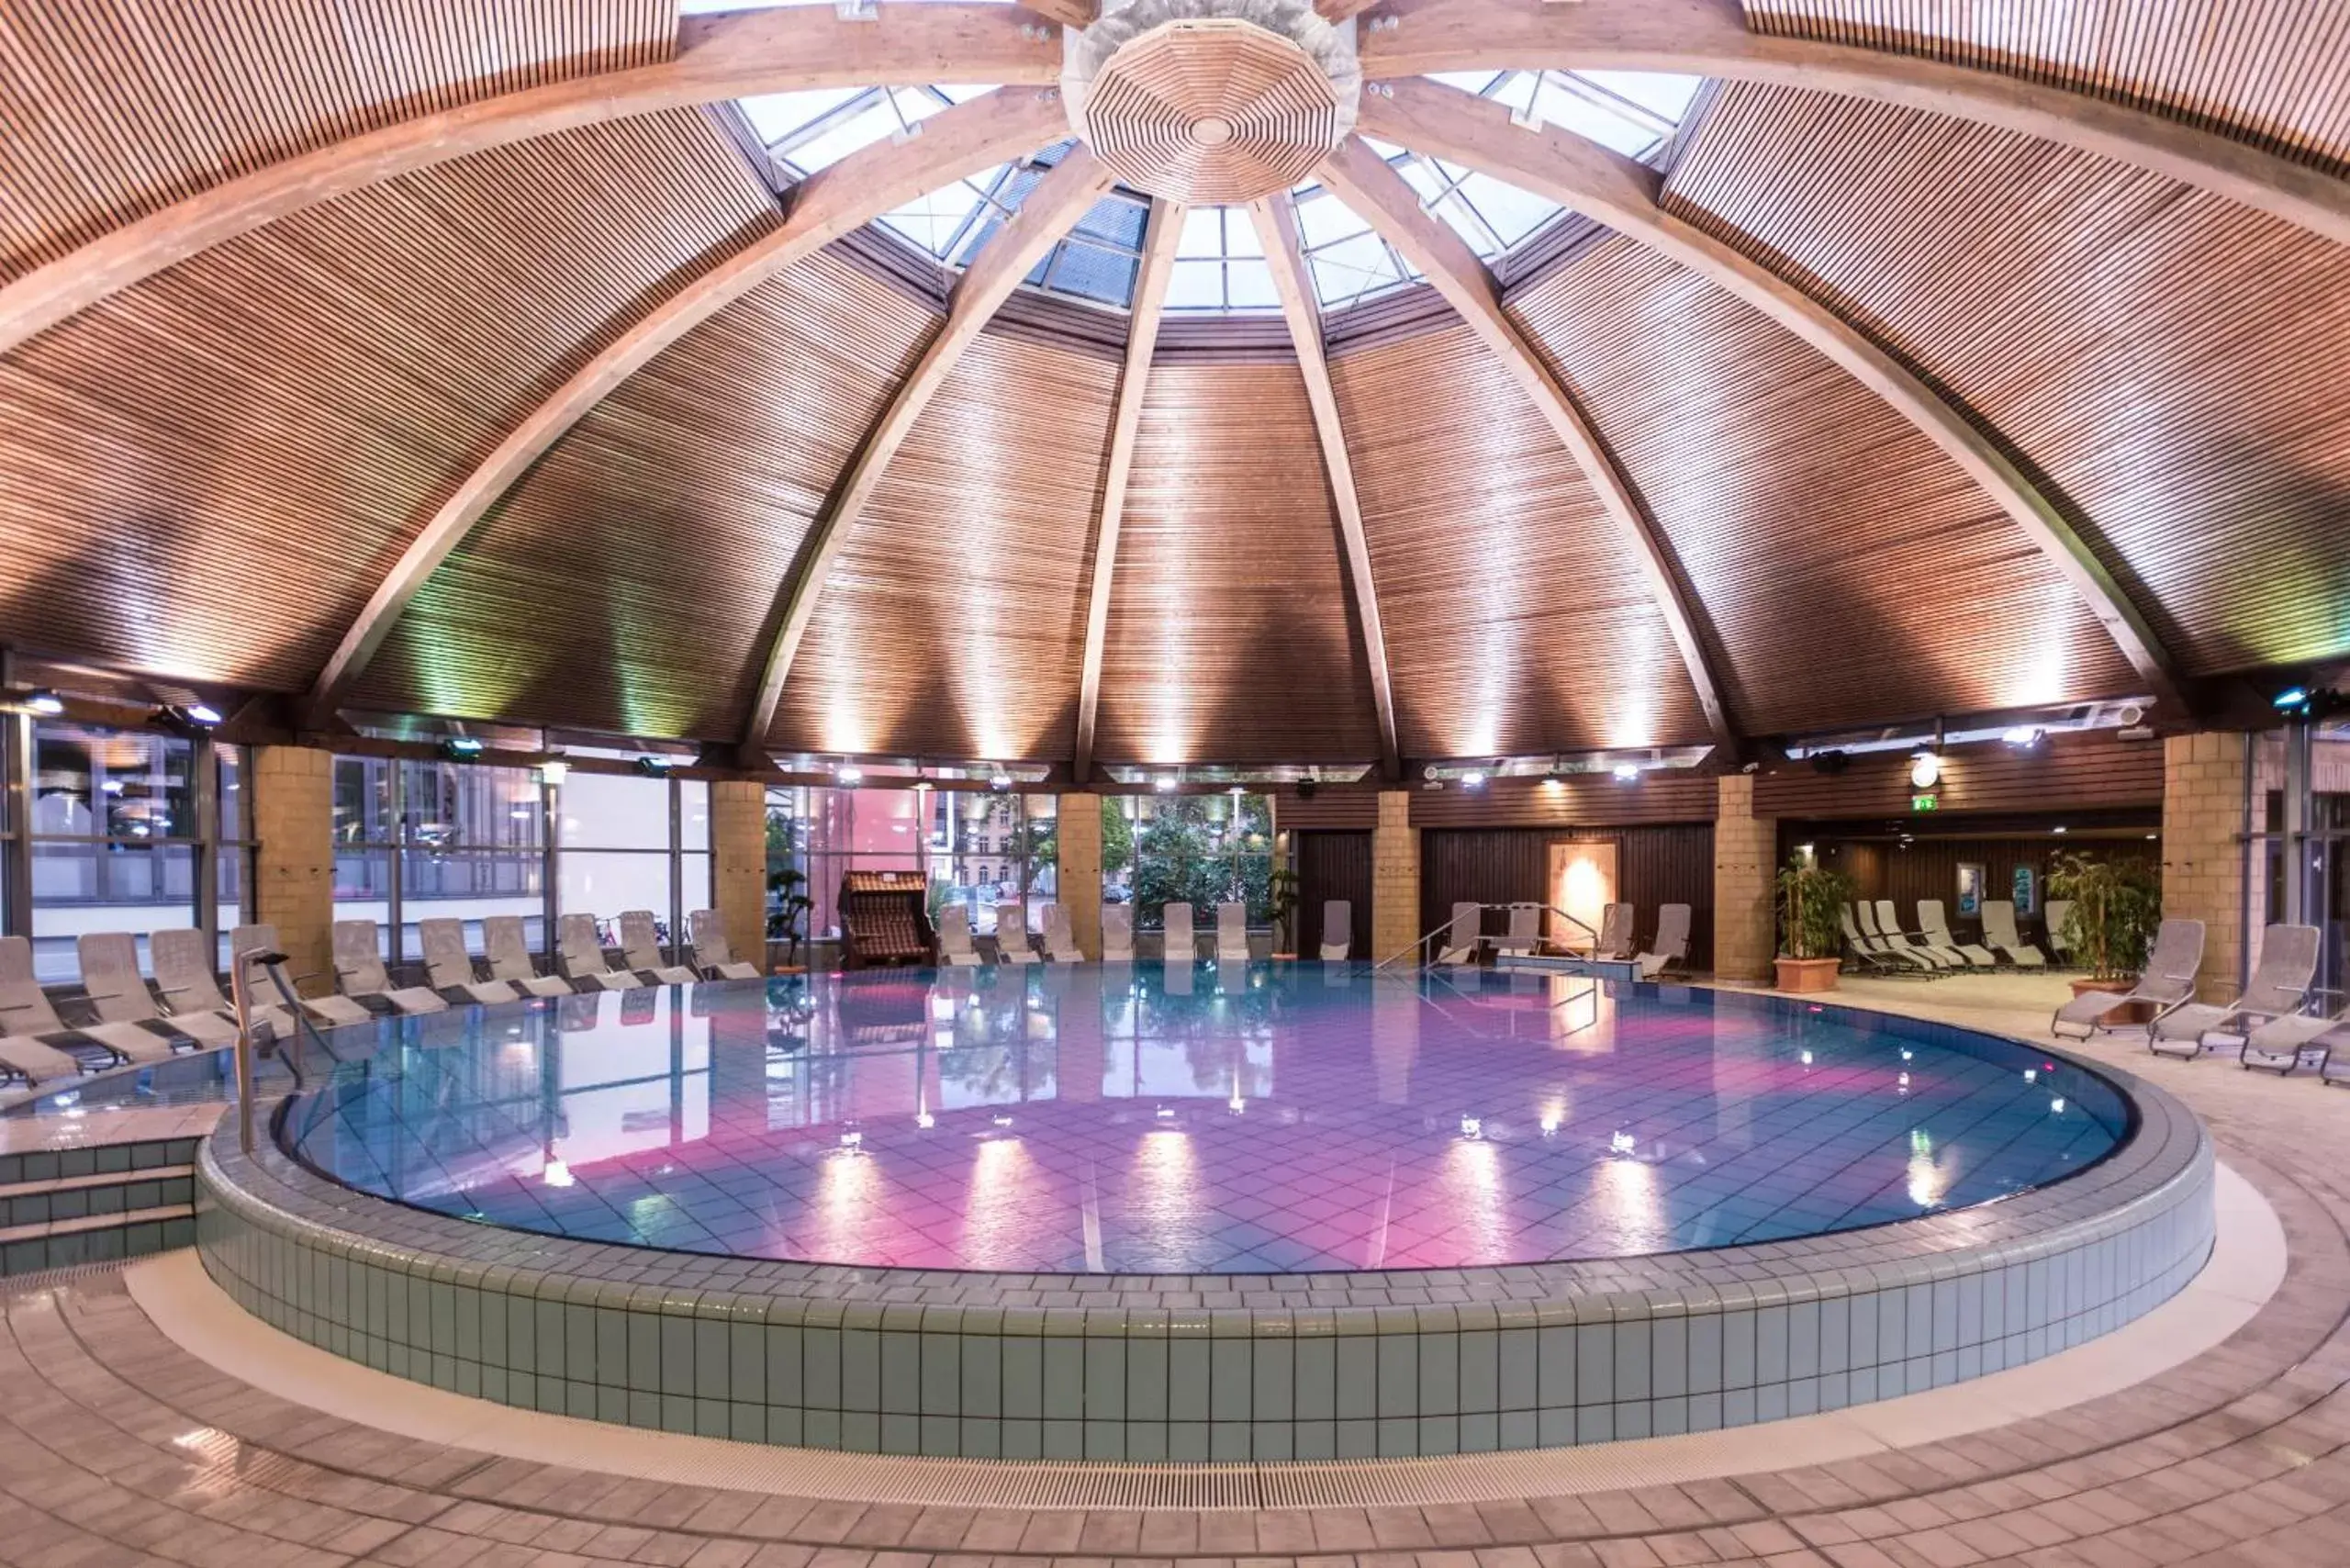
[1211, 101]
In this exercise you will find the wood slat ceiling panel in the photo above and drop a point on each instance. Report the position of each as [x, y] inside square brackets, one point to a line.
[953, 623]
[1518, 618]
[2167, 363]
[1581, 799]
[1849, 570]
[116, 108]
[1230, 635]
[624, 583]
[211, 472]
[2269, 71]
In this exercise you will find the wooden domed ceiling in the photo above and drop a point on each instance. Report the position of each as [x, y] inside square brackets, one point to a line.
[466, 365]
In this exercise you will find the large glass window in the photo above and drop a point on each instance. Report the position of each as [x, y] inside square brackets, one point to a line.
[977, 849]
[616, 839]
[1196, 849]
[2298, 848]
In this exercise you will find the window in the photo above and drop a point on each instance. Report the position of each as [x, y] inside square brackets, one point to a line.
[1197, 850]
[623, 848]
[977, 849]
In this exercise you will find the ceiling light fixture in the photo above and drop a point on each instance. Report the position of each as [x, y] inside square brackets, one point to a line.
[1165, 783]
[848, 773]
[45, 701]
[1473, 780]
[1627, 773]
[1925, 770]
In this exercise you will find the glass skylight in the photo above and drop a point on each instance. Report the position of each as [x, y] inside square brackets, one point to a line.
[1634, 112]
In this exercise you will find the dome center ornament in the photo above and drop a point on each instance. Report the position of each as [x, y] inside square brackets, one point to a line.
[1207, 101]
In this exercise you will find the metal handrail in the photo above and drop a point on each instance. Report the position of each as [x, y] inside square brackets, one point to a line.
[1418, 950]
[241, 997]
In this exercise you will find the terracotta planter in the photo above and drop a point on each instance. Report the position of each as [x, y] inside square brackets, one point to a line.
[1808, 974]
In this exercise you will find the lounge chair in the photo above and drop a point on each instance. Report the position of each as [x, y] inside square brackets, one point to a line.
[183, 960]
[2052, 919]
[261, 991]
[1525, 938]
[713, 955]
[1672, 941]
[360, 975]
[2168, 982]
[1338, 915]
[641, 951]
[1117, 934]
[2280, 987]
[42, 1045]
[1900, 954]
[1871, 952]
[1231, 933]
[110, 979]
[1463, 935]
[509, 952]
[1176, 943]
[955, 948]
[1011, 934]
[1935, 927]
[2001, 935]
[579, 950]
[1060, 938]
[2282, 1043]
[449, 968]
[1616, 933]
[1889, 931]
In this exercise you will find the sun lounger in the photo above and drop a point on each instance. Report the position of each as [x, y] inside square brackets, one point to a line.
[1231, 933]
[1671, 943]
[2280, 987]
[2000, 934]
[2168, 982]
[360, 974]
[183, 960]
[2283, 1044]
[2052, 919]
[1617, 938]
[1011, 934]
[641, 951]
[1889, 931]
[1935, 927]
[110, 979]
[509, 953]
[41, 1046]
[268, 1004]
[1060, 938]
[955, 948]
[713, 955]
[1525, 938]
[1871, 951]
[450, 969]
[1177, 945]
[1117, 934]
[580, 951]
[1463, 935]
[1339, 920]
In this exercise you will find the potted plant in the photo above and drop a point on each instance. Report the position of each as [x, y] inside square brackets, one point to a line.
[1810, 935]
[788, 909]
[1280, 898]
[2117, 906]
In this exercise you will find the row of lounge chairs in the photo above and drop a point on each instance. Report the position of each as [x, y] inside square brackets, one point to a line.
[1875, 938]
[958, 949]
[2268, 1025]
[1464, 936]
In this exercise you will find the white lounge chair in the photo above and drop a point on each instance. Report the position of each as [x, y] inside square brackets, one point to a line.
[1616, 939]
[641, 951]
[580, 952]
[1338, 917]
[2001, 935]
[1874, 940]
[42, 1045]
[110, 979]
[1935, 927]
[955, 948]
[183, 960]
[360, 975]
[261, 990]
[2167, 981]
[1463, 935]
[1672, 941]
[1117, 934]
[2052, 919]
[2282, 1044]
[1231, 933]
[1888, 930]
[449, 968]
[1060, 938]
[1525, 938]
[1011, 934]
[1870, 951]
[509, 952]
[713, 955]
[2280, 987]
[1177, 945]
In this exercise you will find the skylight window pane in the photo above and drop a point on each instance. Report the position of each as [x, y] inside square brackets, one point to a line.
[1116, 221]
[1251, 285]
[1662, 92]
[931, 221]
[1514, 213]
[1478, 81]
[775, 115]
[1324, 220]
[1240, 234]
[1094, 273]
[1197, 285]
[875, 124]
[1202, 232]
[1562, 108]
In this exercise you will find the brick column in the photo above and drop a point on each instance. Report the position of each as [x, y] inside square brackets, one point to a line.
[1746, 855]
[1394, 878]
[294, 874]
[1079, 869]
[2202, 857]
[738, 843]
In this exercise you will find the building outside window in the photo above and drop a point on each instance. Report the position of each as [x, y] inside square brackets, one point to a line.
[976, 848]
[2297, 849]
[1200, 849]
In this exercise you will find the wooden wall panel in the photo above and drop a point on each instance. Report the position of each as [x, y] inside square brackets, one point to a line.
[210, 473]
[2167, 363]
[2266, 71]
[954, 621]
[1852, 572]
[1654, 866]
[1230, 634]
[2063, 773]
[1582, 800]
[1333, 866]
[1348, 808]
[1518, 618]
[116, 108]
[624, 583]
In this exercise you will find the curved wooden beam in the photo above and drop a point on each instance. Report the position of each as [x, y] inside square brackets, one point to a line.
[1142, 340]
[955, 142]
[1056, 203]
[1276, 220]
[1612, 189]
[1709, 37]
[1365, 180]
[730, 56]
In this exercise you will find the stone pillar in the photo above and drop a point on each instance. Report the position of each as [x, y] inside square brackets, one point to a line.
[1394, 878]
[294, 871]
[2202, 849]
[738, 883]
[1746, 855]
[1079, 869]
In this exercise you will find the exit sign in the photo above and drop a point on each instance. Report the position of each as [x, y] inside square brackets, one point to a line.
[1925, 802]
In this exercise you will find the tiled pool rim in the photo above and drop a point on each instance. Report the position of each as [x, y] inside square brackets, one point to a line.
[1215, 1368]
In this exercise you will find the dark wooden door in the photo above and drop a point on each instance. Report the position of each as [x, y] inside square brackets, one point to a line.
[1332, 865]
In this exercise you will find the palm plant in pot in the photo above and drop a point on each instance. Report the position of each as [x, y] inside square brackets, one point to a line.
[1810, 934]
[2117, 906]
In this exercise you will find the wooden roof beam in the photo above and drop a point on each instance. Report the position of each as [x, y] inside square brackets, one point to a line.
[1066, 13]
[1050, 210]
[1276, 221]
[1611, 189]
[964, 140]
[1364, 181]
[729, 56]
[1158, 268]
[1710, 37]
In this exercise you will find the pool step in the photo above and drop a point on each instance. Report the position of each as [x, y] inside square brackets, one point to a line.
[63, 1207]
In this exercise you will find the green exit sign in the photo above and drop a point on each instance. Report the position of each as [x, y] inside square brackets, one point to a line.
[1925, 802]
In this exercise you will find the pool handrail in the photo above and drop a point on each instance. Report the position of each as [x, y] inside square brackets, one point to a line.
[1418, 951]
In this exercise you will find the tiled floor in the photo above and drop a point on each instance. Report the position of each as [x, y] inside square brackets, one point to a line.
[117, 1447]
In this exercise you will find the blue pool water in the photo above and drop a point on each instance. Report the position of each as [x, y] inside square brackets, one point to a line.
[1256, 1119]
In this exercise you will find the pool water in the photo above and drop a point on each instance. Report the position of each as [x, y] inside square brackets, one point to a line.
[1204, 1119]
